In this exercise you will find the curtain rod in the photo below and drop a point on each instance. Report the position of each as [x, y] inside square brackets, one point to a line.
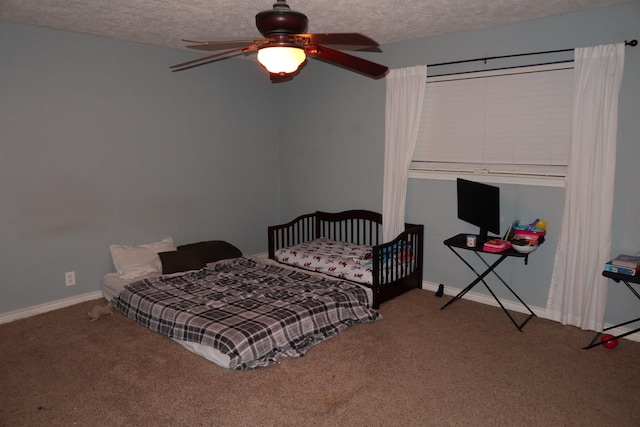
[633, 42]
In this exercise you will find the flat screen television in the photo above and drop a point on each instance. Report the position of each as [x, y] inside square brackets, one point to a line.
[479, 205]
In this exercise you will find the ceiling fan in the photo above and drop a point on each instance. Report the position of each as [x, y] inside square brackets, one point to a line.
[286, 45]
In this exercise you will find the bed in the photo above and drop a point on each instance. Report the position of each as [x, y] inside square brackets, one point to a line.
[348, 245]
[238, 311]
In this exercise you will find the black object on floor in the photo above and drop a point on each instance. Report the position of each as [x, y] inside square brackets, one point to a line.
[440, 290]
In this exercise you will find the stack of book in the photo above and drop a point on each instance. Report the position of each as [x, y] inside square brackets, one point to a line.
[628, 265]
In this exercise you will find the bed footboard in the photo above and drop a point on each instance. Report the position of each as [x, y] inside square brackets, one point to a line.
[397, 265]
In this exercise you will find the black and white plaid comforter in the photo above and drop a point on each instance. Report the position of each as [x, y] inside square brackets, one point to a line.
[256, 313]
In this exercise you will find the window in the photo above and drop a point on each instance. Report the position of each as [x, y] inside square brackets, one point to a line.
[511, 125]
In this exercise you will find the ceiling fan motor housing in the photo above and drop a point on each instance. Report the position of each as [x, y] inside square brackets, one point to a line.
[281, 20]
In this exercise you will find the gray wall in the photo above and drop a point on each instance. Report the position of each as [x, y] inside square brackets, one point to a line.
[101, 144]
[332, 151]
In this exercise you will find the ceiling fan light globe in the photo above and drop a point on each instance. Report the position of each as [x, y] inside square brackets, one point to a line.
[281, 59]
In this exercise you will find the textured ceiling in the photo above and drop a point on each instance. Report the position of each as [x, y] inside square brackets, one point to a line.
[166, 22]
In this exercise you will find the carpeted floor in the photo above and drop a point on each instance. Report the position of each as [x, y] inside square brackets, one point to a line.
[419, 366]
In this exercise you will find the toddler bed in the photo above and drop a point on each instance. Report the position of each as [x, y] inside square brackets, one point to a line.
[348, 245]
[237, 311]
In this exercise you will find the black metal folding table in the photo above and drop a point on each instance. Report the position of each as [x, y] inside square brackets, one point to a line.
[616, 277]
[460, 242]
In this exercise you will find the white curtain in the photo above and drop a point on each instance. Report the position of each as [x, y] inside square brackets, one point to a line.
[405, 93]
[578, 292]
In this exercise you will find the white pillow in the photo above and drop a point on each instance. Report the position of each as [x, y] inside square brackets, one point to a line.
[136, 261]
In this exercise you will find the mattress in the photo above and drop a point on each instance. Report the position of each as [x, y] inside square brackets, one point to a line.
[338, 259]
[112, 284]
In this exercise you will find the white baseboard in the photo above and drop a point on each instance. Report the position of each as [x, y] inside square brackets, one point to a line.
[515, 306]
[472, 296]
[43, 308]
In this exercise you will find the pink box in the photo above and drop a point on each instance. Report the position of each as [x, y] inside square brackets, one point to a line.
[496, 245]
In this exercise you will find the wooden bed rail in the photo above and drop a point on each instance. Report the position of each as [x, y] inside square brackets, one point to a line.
[360, 227]
[396, 265]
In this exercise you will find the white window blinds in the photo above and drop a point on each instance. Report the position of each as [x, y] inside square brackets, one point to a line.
[504, 122]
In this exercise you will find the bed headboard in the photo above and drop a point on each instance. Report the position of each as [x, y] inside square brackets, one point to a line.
[355, 226]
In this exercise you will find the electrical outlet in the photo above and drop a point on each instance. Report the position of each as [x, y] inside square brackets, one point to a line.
[70, 278]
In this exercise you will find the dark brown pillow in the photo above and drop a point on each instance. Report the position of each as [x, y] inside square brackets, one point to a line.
[212, 250]
[178, 261]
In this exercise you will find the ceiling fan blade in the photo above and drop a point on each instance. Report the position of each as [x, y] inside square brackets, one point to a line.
[213, 58]
[350, 62]
[358, 48]
[355, 41]
[341, 41]
[219, 45]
